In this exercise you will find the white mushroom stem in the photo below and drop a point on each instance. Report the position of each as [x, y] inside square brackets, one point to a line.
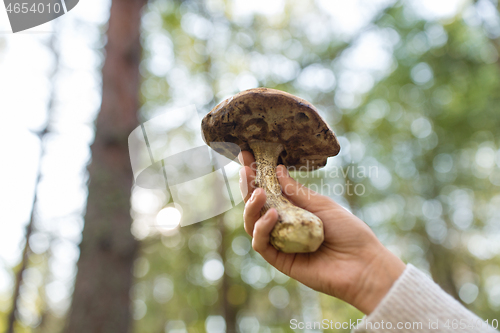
[297, 230]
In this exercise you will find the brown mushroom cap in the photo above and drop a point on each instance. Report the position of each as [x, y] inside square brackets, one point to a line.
[273, 116]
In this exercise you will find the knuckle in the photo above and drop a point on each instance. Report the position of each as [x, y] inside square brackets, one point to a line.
[246, 225]
[247, 229]
[258, 227]
[255, 245]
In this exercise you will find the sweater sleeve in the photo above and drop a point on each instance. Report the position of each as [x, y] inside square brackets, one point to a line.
[415, 304]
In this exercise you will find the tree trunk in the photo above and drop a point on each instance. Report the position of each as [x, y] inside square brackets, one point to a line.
[228, 310]
[11, 318]
[101, 299]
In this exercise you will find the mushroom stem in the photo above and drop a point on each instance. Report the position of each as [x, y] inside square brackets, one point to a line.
[297, 230]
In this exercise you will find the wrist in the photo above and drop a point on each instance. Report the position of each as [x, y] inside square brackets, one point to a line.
[382, 270]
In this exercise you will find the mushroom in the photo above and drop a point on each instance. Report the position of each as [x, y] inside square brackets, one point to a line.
[278, 128]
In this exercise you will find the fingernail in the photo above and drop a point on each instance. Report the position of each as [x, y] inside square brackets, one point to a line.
[282, 171]
[253, 195]
[268, 214]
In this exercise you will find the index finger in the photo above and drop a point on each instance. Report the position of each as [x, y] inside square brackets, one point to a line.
[246, 159]
[247, 174]
[247, 182]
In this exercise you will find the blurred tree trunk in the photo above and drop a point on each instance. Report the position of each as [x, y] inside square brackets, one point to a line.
[101, 299]
[11, 317]
[228, 310]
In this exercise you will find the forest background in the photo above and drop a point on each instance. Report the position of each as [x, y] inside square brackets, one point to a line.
[410, 87]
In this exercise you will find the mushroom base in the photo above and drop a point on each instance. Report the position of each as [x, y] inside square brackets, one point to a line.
[297, 230]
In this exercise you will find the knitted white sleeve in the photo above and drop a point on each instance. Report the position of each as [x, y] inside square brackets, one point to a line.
[415, 304]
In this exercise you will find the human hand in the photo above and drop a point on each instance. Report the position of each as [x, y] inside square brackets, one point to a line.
[351, 264]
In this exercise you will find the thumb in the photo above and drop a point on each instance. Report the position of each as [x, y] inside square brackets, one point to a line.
[300, 195]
